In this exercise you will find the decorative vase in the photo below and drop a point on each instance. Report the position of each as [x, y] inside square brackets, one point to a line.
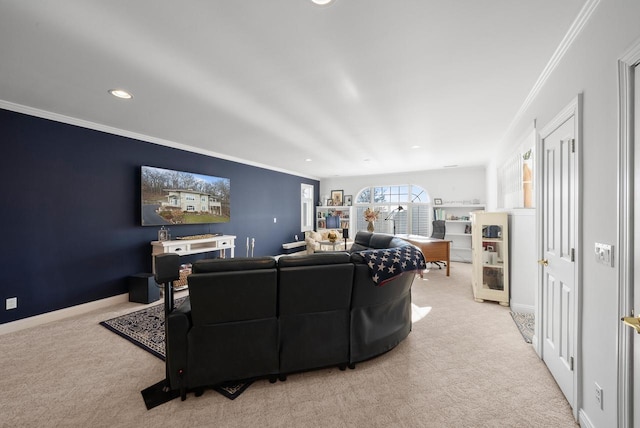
[370, 226]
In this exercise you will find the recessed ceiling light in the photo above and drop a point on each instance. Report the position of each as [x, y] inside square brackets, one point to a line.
[308, 160]
[120, 93]
[415, 147]
[322, 2]
[451, 166]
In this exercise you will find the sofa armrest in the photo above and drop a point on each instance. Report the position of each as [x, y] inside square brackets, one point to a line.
[312, 245]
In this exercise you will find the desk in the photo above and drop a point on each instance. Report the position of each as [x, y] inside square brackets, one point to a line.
[434, 250]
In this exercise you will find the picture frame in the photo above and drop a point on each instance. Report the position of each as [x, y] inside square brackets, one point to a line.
[348, 200]
[329, 202]
[337, 196]
[437, 201]
[163, 234]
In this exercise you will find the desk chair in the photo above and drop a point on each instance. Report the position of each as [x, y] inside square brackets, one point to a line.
[438, 231]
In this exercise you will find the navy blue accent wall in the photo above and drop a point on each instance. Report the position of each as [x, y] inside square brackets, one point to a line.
[70, 228]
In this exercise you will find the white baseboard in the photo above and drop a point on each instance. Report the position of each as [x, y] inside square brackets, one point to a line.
[525, 309]
[37, 320]
[583, 419]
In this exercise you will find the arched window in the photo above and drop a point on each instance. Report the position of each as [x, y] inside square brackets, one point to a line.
[414, 218]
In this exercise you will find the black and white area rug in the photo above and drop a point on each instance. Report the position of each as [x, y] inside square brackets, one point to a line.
[525, 323]
[145, 328]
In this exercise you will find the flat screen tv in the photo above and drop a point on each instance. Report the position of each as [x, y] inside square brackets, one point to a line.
[175, 197]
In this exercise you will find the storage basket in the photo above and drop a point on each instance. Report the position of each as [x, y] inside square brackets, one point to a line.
[493, 279]
[185, 271]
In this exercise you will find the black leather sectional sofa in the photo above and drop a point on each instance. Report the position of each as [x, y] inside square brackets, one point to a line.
[261, 317]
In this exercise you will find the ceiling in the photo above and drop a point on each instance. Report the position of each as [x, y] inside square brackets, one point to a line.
[354, 86]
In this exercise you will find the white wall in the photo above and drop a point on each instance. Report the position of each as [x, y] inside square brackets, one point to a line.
[451, 184]
[522, 260]
[492, 186]
[590, 67]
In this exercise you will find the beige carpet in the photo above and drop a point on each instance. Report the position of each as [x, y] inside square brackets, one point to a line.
[464, 365]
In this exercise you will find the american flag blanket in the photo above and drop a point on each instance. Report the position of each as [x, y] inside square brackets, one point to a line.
[388, 263]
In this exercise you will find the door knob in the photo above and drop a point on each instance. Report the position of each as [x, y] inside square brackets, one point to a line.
[632, 322]
[543, 262]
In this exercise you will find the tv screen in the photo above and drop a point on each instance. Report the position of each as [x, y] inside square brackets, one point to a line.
[176, 197]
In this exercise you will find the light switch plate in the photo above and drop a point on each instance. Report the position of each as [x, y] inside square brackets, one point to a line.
[604, 254]
[11, 303]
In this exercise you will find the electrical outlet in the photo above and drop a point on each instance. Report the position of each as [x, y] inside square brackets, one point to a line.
[604, 254]
[599, 397]
[11, 303]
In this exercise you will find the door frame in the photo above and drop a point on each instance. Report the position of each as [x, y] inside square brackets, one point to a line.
[626, 175]
[573, 109]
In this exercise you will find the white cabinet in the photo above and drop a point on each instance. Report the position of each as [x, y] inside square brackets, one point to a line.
[490, 279]
[458, 228]
[196, 244]
[203, 244]
[326, 218]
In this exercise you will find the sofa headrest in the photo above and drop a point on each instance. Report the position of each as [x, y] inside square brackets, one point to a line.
[384, 240]
[313, 259]
[234, 264]
[362, 238]
[373, 241]
[380, 240]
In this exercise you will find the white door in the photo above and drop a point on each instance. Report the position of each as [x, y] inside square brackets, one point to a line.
[559, 217]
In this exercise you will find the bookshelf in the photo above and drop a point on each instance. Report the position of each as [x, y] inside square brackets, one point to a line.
[457, 219]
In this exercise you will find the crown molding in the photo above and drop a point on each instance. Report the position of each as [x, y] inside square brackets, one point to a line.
[572, 34]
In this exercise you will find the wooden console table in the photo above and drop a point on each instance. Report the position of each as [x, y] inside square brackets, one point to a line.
[185, 247]
[434, 250]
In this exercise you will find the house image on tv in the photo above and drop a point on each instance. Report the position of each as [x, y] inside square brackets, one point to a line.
[192, 201]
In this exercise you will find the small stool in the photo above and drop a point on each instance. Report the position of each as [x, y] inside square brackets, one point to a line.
[143, 288]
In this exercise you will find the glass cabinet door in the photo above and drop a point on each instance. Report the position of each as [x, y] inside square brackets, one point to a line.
[491, 257]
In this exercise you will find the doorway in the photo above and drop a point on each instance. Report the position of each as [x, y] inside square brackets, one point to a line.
[628, 235]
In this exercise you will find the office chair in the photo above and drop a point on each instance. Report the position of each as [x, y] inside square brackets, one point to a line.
[438, 231]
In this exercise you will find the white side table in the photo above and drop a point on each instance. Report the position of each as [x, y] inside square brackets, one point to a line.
[335, 246]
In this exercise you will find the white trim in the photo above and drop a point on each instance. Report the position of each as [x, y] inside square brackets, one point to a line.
[626, 232]
[536, 340]
[584, 420]
[524, 309]
[573, 109]
[48, 317]
[572, 34]
[146, 138]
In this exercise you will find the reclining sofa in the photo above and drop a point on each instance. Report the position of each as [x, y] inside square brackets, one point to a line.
[249, 318]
